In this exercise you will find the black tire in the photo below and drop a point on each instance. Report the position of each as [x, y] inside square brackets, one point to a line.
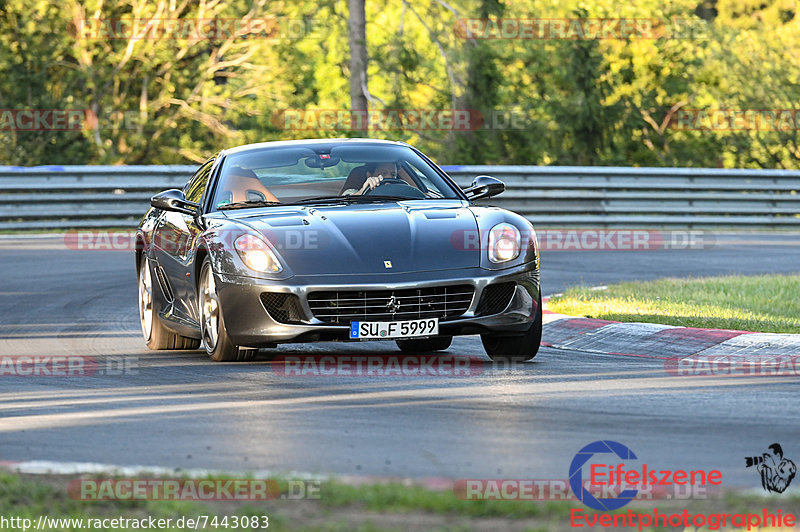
[425, 345]
[215, 340]
[517, 348]
[156, 335]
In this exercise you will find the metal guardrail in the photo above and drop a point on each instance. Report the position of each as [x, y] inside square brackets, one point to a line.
[60, 197]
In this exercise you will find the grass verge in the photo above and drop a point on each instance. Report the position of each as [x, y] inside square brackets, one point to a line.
[763, 303]
[340, 507]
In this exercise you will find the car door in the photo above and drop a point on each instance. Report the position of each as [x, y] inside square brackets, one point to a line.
[174, 241]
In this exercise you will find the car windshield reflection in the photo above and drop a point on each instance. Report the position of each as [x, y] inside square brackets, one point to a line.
[263, 177]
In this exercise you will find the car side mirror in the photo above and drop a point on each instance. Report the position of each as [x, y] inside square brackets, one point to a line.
[173, 200]
[484, 186]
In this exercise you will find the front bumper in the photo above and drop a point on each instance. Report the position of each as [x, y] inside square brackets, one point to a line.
[249, 324]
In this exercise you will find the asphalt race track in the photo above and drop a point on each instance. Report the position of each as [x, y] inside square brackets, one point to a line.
[182, 410]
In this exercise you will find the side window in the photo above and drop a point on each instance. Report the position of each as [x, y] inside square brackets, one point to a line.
[197, 184]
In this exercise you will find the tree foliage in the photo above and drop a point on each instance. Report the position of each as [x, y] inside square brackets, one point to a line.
[567, 101]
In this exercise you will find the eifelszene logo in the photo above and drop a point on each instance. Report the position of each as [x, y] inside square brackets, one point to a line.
[576, 475]
[776, 471]
[619, 483]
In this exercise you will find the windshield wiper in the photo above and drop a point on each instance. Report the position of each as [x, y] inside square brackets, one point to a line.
[247, 204]
[353, 198]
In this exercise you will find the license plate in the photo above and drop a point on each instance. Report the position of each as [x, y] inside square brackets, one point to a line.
[384, 330]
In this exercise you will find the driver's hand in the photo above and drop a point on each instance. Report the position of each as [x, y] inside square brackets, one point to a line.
[371, 182]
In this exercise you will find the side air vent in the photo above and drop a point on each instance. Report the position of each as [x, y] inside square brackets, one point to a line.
[284, 308]
[495, 298]
[166, 289]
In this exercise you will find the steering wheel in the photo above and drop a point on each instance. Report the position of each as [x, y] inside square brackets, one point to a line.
[387, 181]
[398, 187]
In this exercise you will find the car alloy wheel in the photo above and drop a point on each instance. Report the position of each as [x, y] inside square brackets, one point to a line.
[145, 299]
[209, 309]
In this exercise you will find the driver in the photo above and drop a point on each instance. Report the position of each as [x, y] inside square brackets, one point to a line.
[375, 173]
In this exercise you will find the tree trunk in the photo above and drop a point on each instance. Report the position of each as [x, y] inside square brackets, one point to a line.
[357, 26]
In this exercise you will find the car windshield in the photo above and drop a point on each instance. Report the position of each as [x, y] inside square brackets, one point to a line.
[326, 173]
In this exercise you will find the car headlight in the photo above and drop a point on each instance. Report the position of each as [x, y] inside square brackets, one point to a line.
[534, 243]
[257, 254]
[504, 242]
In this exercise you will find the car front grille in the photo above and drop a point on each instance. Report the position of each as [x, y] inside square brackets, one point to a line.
[342, 307]
[495, 298]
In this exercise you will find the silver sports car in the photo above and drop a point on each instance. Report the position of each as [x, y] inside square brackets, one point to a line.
[325, 240]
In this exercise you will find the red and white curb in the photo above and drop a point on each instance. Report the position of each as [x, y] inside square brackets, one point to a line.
[666, 342]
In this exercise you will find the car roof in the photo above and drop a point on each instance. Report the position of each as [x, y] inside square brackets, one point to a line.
[316, 143]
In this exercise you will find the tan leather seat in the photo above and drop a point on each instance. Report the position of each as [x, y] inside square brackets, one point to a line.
[355, 179]
[243, 185]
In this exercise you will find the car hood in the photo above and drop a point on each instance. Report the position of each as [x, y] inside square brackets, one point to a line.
[392, 237]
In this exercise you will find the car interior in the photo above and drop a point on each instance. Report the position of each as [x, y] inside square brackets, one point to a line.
[357, 176]
[242, 184]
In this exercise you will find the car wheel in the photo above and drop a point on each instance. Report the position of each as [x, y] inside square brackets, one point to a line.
[425, 345]
[155, 333]
[215, 338]
[515, 348]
